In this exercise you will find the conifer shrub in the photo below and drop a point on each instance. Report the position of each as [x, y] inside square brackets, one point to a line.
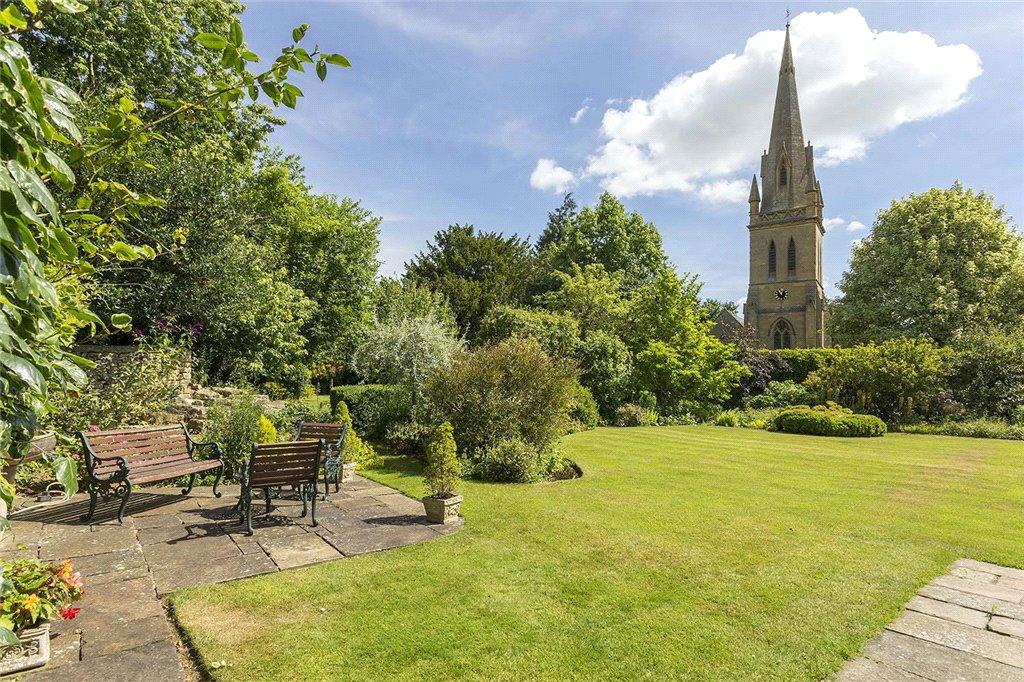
[356, 449]
[443, 467]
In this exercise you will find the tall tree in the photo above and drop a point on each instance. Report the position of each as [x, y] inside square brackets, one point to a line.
[475, 271]
[559, 221]
[936, 264]
[607, 235]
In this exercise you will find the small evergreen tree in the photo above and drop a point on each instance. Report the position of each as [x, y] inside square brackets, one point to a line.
[443, 467]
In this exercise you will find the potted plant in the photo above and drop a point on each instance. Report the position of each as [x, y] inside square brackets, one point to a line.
[32, 593]
[442, 477]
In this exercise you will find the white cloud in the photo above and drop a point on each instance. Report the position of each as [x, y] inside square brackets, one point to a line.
[855, 85]
[856, 226]
[724, 191]
[575, 118]
[833, 222]
[550, 177]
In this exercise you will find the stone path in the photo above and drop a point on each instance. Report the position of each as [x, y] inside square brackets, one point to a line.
[965, 625]
[170, 541]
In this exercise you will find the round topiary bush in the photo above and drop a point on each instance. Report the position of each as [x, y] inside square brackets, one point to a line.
[727, 418]
[827, 421]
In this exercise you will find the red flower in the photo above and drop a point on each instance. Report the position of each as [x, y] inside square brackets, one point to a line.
[70, 612]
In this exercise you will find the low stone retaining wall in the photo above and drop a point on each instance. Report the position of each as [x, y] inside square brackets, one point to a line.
[192, 406]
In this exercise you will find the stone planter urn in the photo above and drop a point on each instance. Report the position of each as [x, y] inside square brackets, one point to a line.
[442, 510]
[31, 652]
[348, 471]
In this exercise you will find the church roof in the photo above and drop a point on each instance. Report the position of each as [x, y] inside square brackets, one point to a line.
[787, 131]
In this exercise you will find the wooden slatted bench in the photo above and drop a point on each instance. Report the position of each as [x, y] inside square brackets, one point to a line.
[115, 461]
[272, 465]
[334, 436]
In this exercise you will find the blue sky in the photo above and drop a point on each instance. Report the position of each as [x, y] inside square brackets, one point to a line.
[448, 110]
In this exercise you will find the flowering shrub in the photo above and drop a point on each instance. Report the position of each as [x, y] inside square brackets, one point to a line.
[33, 592]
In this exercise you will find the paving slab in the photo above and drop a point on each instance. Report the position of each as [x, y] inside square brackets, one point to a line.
[964, 625]
[169, 542]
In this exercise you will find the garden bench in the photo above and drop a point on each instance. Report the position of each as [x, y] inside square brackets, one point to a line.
[334, 435]
[272, 465]
[115, 461]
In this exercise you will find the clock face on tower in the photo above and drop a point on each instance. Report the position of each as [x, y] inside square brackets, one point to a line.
[781, 294]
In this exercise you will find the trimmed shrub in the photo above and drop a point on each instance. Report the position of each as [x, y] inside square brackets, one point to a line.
[373, 407]
[781, 394]
[295, 411]
[972, 428]
[266, 432]
[727, 418]
[512, 390]
[510, 461]
[583, 410]
[443, 469]
[1018, 416]
[634, 415]
[827, 421]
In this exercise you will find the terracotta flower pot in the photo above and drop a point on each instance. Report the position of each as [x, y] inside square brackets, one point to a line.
[442, 510]
[31, 652]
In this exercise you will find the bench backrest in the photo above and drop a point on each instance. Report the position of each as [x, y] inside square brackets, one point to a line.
[142, 448]
[334, 434]
[273, 464]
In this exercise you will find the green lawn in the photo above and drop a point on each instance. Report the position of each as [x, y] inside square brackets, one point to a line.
[684, 552]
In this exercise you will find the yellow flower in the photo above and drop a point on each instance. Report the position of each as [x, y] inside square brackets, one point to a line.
[30, 602]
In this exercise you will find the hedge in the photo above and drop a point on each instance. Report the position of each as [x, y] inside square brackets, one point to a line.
[374, 407]
[827, 422]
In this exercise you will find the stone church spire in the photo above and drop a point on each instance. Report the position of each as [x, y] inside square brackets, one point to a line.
[787, 168]
[786, 298]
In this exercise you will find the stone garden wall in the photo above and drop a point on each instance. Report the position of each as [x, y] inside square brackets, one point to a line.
[109, 358]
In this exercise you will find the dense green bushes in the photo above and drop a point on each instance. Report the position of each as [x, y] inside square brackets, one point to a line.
[827, 421]
[373, 407]
[897, 380]
[781, 394]
[511, 390]
[970, 428]
[987, 375]
[635, 415]
[510, 461]
[583, 412]
[800, 363]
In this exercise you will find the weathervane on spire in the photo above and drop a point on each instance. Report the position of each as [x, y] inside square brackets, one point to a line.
[787, 17]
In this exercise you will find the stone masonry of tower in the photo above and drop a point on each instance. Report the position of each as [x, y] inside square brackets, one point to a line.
[786, 299]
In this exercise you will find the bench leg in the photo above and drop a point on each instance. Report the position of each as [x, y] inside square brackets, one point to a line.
[216, 481]
[327, 485]
[313, 503]
[266, 498]
[92, 504]
[124, 501]
[246, 501]
[304, 493]
[191, 482]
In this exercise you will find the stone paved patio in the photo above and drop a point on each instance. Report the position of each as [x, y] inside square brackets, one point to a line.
[170, 541]
[965, 625]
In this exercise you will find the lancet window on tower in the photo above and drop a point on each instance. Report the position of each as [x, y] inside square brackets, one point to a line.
[771, 261]
[791, 259]
[783, 176]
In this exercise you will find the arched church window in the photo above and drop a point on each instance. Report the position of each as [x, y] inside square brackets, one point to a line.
[782, 335]
[791, 258]
[783, 175]
[771, 260]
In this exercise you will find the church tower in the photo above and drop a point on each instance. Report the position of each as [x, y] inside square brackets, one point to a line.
[786, 299]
